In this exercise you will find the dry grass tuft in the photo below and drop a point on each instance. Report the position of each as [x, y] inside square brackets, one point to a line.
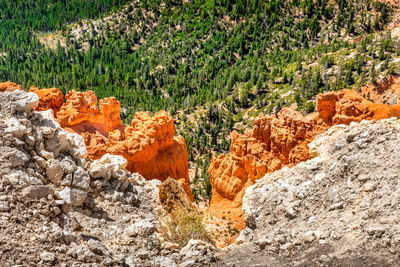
[184, 225]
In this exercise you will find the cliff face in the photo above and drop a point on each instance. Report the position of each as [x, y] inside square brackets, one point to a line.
[149, 143]
[152, 149]
[283, 141]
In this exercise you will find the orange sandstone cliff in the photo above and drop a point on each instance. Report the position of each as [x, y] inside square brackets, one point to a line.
[149, 143]
[277, 142]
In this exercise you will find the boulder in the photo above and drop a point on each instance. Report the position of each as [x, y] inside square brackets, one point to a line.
[98, 170]
[141, 228]
[16, 157]
[81, 179]
[25, 102]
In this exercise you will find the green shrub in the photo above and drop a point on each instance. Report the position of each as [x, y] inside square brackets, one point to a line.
[310, 107]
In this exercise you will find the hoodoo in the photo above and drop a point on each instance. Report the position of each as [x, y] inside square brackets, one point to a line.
[149, 143]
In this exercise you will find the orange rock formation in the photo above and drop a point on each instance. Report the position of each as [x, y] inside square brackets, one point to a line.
[149, 143]
[49, 98]
[277, 142]
[9, 86]
[80, 113]
[152, 149]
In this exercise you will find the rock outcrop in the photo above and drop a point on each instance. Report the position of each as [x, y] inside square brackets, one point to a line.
[149, 143]
[51, 98]
[59, 207]
[80, 113]
[277, 142]
[152, 149]
[9, 87]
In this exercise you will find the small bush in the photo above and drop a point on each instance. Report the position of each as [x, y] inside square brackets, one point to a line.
[183, 226]
[310, 107]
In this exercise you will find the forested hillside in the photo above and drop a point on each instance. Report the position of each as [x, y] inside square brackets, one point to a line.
[213, 64]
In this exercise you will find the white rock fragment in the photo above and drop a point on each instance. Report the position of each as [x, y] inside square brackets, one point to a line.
[54, 170]
[48, 256]
[25, 102]
[81, 179]
[17, 157]
[77, 143]
[116, 162]
[141, 228]
[71, 196]
[98, 170]
[4, 207]
[15, 128]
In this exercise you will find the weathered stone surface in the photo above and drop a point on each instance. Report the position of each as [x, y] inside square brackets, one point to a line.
[98, 170]
[48, 256]
[173, 197]
[15, 128]
[4, 207]
[16, 157]
[38, 191]
[54, 170]
[141, 228]
[52, 209]
[72, 196]
[196, 249]
[81, 179]
[324, 200]
[96, 247]
[114, 162]
[81, 107]
[68, 165]
[24, 102]
[9, 87]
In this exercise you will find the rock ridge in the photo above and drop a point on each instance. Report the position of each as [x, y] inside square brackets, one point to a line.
[275, 142]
